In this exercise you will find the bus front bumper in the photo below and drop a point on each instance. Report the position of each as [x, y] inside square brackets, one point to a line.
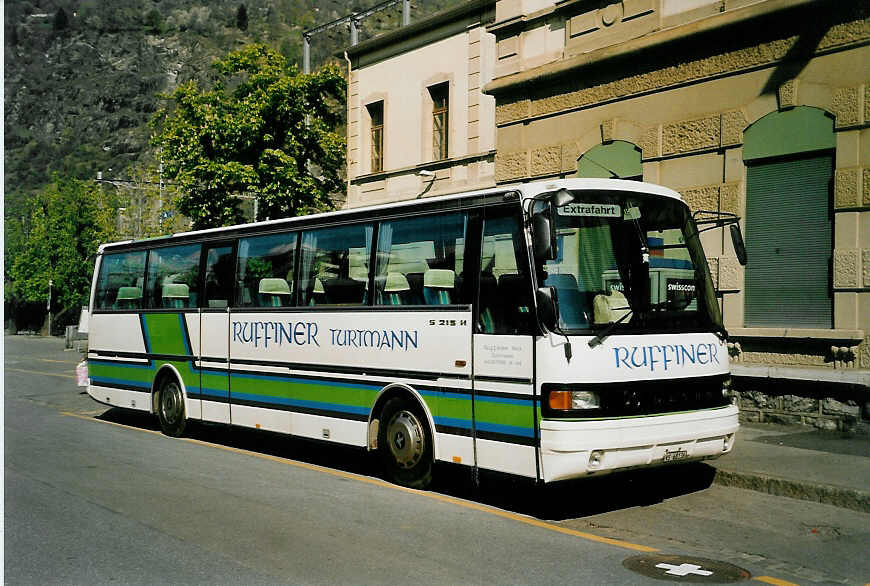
[571, 449]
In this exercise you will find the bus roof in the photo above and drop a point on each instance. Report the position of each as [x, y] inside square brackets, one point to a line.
[526, 190]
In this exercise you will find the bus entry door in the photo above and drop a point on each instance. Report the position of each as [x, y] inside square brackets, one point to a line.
[505, 429]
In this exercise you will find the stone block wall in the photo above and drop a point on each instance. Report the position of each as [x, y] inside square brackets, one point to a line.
[828, 407]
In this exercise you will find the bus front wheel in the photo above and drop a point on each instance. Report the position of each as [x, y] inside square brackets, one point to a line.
[170, 408]
[405, 443]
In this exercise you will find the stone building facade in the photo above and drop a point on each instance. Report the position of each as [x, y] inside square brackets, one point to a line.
[416, 94]
[760, 108]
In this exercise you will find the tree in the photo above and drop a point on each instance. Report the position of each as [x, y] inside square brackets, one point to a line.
[263, 129]
[61, 20]
[154, 21]
[68, 221]
[242, 18]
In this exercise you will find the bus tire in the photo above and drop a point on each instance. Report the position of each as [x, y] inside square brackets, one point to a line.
[405, 443]
[170, 407]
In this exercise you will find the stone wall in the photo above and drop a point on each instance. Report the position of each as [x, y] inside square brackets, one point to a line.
[844, 408]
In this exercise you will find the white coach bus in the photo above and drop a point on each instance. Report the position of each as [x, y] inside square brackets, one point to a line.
[550, 330]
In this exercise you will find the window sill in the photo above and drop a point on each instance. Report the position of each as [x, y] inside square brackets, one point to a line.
[428, 166]
[798, 333]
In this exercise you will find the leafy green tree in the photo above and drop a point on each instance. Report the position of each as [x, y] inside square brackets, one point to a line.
[68, 221]
[263, 129]
[242, 18]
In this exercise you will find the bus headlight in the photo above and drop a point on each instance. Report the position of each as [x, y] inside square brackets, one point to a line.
[573, 400]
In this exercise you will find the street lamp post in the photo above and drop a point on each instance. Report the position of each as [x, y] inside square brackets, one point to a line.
[48, 305]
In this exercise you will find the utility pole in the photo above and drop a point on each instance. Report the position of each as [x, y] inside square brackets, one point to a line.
[306, 53]
[354, 30]
[160, 201]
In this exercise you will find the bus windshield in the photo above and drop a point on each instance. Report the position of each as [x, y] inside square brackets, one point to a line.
[630, 262]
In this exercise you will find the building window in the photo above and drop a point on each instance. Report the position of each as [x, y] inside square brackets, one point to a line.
[376, 122]
[440, 120]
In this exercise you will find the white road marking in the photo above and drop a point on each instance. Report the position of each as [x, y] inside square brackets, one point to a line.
[684, 570]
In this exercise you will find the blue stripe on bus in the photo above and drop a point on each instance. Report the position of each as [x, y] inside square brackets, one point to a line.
[453, 422]
[484, 426]
[506, 400]
[222, 393]
[182, 323]
[301, 403]
[145, 333]
[322, 382]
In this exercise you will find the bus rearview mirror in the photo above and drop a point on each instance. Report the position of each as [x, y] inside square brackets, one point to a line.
[543, 234]
[739, 246]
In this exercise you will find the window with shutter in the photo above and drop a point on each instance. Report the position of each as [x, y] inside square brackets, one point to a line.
[790, 163]
[788, 243]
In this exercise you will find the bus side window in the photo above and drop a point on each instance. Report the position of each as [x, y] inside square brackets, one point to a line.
[173, 277]
[264, 271]
[119, 285]
[219, 274]
[505, 301]
[334, 265]
[419, 260]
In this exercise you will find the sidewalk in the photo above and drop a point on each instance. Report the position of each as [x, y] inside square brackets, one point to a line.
[799, 462]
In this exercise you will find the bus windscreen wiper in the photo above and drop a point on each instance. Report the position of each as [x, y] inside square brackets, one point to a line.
[596, 341]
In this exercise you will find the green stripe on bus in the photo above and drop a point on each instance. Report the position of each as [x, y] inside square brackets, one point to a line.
[503, 414]
[165, 333]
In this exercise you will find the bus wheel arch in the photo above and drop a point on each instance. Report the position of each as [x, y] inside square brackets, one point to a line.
[169, 401]
[404, 435]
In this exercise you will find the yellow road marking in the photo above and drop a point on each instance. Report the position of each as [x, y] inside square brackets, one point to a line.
[774, 581]
[42, 373]
[384, 484]
[90, 418]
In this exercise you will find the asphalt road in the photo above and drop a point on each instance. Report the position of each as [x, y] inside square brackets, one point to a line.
[98, 496]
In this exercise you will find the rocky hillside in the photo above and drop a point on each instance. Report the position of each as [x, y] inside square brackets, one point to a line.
[82, 76]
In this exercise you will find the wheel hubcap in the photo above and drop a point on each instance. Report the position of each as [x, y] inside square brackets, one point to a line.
[406, 439]
[170, 403]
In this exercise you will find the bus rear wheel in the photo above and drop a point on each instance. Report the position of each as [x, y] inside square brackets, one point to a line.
[170, 408]
[405, 443]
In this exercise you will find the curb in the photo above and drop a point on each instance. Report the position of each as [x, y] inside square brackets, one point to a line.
[845, 498]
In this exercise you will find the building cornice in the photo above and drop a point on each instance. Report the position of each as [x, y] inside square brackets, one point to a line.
[710, 24]
[425, 25]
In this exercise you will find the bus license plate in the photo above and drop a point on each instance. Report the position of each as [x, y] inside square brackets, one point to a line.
[675, 455]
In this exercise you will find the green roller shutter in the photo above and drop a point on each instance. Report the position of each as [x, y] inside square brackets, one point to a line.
[616, 160]
[788, 242]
